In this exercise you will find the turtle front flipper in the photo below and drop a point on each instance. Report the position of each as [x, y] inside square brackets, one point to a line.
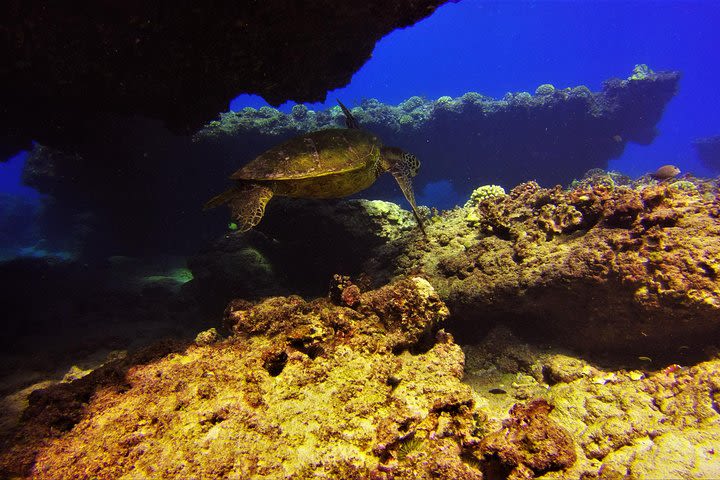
[403, 166]
[405, 183]
[350, 121]
[247, 203]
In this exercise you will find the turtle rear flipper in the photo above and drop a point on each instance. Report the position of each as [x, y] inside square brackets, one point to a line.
[247, 203]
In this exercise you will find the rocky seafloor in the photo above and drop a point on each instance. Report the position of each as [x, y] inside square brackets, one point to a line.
[542, 333]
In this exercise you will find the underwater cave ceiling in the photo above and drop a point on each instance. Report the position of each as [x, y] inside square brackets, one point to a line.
[180, 62]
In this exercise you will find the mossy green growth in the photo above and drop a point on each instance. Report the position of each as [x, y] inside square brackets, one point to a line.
[405, 120]
[483, 193]
[685, 186]
[545, 89]
[641, 72]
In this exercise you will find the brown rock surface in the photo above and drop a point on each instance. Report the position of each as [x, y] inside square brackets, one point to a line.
[620, 266]
[529, 443]
[302, 387]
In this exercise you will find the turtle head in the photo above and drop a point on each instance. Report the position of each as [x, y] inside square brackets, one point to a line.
[396, 160]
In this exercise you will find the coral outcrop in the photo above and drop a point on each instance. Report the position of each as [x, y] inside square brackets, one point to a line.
[475, 140]
[622, 266]
[646, 419]
[299, 389]
[625, 265]
[528, 444]
[552, 136]
[366, 384]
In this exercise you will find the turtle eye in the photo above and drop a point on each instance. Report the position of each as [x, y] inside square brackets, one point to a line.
[411, 163]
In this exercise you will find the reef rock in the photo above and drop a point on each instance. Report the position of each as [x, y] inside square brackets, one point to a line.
[631, 266]
[300, 388]
[529, 443]
[615, 422]
[304, 389]
[552, 136]
[473, 140]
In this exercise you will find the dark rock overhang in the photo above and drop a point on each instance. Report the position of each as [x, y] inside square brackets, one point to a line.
[180, 62]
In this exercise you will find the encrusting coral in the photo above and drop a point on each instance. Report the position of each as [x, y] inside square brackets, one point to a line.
[300, 388]
[316, 389]
[528, 443]
[365, 384]
[621, 265]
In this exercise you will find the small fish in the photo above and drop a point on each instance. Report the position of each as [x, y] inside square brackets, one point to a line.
[497, 391]
[671, 369]
[665, 172]
[617, 138]
[645, 359]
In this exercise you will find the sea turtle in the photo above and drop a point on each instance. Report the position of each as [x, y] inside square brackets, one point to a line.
[324, 164]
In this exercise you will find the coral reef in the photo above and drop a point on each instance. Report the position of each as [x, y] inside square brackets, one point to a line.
[477, 139]
[316, 389]
[529, 443]
[301, 388]
[141, 59]
[626, 265]
[708, 149]
[630, 267]
[624, 421]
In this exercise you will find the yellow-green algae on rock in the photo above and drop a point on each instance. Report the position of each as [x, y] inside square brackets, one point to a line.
[301, 390]
[319, 390]
[625, 422]
[621, 266]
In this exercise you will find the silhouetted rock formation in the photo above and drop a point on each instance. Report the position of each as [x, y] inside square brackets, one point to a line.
[708, 149]
[182, 63]
[553, 136]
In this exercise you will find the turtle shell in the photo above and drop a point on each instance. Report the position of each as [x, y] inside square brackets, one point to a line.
[316, 154]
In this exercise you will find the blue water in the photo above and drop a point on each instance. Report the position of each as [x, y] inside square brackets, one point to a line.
[10, 178]
[495, 47]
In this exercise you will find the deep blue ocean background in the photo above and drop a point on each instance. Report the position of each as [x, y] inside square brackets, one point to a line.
[496, 47]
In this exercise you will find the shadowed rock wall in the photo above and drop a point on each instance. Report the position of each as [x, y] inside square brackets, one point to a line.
[181, 61]
[552, 136]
